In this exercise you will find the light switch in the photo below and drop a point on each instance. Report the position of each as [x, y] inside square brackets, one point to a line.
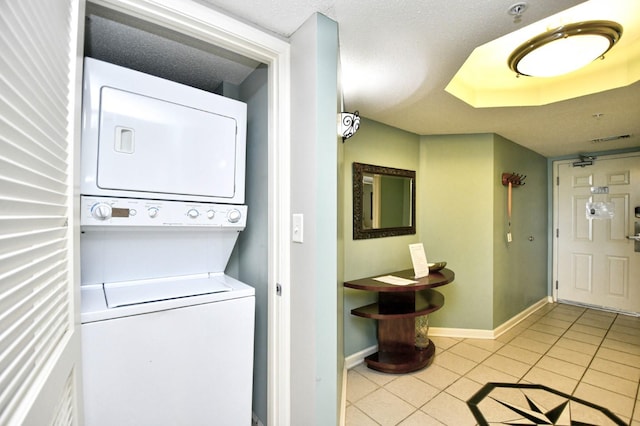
[297, 233]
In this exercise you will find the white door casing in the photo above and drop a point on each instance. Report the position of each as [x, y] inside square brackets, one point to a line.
[594, 262]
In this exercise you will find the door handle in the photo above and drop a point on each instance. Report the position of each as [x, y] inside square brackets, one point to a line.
[634, 237]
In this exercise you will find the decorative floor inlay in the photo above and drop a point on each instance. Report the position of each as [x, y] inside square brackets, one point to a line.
[529, 404]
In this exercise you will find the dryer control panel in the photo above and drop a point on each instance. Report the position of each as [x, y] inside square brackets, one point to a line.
[107, 211]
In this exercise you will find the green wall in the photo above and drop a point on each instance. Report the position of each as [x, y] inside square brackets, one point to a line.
[461, 219]
[254, 240]
[316, 354]
[380, 145]
[495, 280]
[456, 224]
[520, 267]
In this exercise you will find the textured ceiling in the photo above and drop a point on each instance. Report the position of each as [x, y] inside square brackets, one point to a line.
[135, 44]
[397, 56]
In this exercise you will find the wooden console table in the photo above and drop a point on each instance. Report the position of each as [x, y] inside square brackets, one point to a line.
[396, 311]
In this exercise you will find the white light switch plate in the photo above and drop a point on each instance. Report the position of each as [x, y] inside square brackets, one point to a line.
[297, 231]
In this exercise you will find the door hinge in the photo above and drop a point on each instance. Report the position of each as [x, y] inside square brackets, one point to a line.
[557, 180]
[557, 232]
[278, 290]
[556, 284]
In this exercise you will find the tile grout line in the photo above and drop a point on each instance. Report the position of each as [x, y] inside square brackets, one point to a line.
[554, 343]
[599, 346]
[595, 353]
[572, 323]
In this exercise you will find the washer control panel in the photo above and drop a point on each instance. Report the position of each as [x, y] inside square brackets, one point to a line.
[106, 211]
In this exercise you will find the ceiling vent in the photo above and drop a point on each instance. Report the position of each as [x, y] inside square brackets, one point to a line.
[610, 138]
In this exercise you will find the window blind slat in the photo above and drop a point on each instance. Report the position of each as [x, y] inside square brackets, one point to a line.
[13, 207]
[36, 307]
[20, 115]
[22, 190]
[29, 153]
[26, 241]
[16, 81]
[16, 74]
[66, 402]
[16, 290]
[17, 225]
[39, 256]
[49, 42]
[50, 328]
[21, 37]
[13, 171]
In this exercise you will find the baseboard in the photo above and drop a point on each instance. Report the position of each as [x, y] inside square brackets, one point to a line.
[463, 333]
[358, 358]
[343, 399]
[508, 325]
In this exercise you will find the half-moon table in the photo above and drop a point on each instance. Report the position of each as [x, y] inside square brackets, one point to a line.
[396, 311]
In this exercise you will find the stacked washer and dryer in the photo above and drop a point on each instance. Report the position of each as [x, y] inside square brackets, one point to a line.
[167, 336]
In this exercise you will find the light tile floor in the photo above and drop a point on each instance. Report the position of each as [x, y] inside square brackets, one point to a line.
[590, 354]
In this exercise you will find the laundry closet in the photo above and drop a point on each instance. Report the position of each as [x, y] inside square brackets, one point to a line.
[206, 225]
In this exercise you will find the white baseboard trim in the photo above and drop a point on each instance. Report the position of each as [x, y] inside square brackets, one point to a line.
[508, 325]
[465, 333]
[343, 399]
[358, 358]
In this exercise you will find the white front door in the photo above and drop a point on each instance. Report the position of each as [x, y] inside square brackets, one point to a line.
[594, 261]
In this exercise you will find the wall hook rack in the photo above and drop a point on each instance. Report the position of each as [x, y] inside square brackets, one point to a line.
[510, 180]
[514, 179]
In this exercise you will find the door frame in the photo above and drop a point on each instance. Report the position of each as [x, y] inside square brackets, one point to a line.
[211, 26]
[554, 182]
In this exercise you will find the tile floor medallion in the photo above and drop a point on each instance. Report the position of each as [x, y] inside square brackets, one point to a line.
[562, 365]
[528, 404]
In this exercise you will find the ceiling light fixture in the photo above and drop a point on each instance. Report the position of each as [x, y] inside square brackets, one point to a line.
[565, 49]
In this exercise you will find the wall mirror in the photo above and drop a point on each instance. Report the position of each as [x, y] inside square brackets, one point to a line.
[384, 201]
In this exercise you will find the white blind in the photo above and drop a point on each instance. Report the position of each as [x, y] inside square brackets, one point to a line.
[34, 194]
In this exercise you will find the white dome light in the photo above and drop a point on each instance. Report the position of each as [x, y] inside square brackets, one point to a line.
[565, 49]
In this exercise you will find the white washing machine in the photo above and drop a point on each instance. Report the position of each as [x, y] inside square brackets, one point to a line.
[186, 361]
[175, 349]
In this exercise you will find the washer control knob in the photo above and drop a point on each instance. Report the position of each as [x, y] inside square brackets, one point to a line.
[193, 213]
[211, 214]
[101, 211]
[234, 215]
[153, 212]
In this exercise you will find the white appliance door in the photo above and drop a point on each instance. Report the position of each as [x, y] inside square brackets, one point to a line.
[151, 145]
[188, 366]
